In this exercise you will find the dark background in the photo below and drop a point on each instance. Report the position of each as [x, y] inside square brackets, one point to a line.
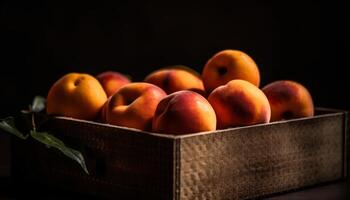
[303, 41]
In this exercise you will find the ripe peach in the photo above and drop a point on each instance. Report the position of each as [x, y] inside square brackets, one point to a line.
[111, 81]
[288, 99]
[184, 112]
[133, 105]
[76, 95]
[239, 103]
[227, 65]
[176, 78]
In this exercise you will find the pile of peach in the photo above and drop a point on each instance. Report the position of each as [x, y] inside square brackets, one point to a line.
[176, 100]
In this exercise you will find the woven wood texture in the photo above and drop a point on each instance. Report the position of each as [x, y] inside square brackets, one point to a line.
[256, 161]
[123, 164]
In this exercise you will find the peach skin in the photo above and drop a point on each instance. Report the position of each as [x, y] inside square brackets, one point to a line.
[288, 99]
[111, 81]
[184, 112]
[228, 65]
[76, 95]
[176, 78]
[239, 103]
[134, 105]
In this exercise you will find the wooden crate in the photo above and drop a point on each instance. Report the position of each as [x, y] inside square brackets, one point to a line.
[236, 163]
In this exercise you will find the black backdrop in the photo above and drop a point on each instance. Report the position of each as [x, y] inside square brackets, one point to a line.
[40, 42]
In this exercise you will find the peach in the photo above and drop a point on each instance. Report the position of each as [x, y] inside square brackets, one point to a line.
[133, 105]
[76, 95]
[288, 99]
[184, 112]
[176, 78]
[111, 81]
[239, 103]
[228, 65]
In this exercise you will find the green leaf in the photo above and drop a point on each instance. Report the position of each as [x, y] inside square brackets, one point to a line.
[8, 125]
[51, 141]
[38, 104]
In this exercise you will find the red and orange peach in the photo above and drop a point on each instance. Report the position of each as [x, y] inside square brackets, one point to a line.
[228, 65]
[133, 105]
[288, 99]
[111, 81]
[176, 78]
[184, 112]
[76, 95]
[239, 103]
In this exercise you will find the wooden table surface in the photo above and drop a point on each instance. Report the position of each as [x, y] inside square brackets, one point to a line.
[331, 191]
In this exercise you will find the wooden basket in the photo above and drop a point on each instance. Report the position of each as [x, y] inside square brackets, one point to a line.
[235, 163]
